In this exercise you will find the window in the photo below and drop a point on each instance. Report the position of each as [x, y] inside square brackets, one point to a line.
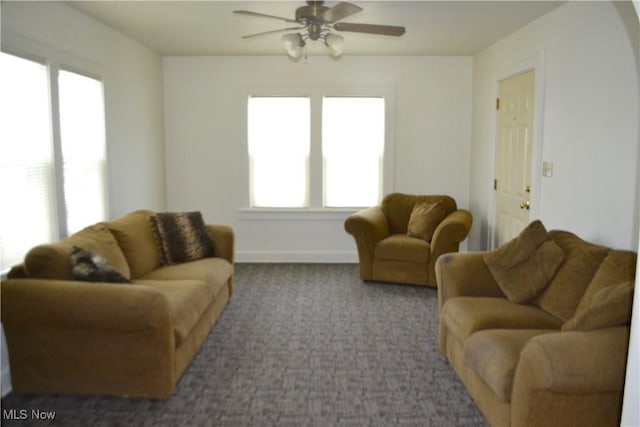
[26, 158]
[52, 183]
[316, 151]
[82, 137]
[352, 149]
[278, 137]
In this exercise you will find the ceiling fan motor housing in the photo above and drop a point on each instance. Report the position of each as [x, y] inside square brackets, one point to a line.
[311, 12]
[311, 15]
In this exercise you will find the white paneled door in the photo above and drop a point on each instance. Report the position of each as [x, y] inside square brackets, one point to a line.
[513, 156]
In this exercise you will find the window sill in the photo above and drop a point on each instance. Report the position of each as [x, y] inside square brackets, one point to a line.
[303, 214]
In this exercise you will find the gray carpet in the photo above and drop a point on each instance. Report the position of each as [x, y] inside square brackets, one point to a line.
[298, 345]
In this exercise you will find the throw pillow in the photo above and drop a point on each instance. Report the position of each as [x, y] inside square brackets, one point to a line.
[617, 267]
[91, 266]
[610, 306]
[52, 260]
[424, 220]
[181, 237]
[581, 262]
[525, 266]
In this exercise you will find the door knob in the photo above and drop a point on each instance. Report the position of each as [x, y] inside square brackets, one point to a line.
[525, 205]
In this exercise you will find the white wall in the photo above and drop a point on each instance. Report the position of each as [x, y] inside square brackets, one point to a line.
[590, 121]
[630, 408]
[133, 99]
[205, 124]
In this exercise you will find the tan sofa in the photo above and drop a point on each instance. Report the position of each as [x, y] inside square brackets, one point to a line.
[73, 337]
[387, 253]
[558, 359]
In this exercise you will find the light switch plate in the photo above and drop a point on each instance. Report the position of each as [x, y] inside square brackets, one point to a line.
[547, 168]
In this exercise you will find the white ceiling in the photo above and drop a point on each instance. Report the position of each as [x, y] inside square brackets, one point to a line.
[175, 28]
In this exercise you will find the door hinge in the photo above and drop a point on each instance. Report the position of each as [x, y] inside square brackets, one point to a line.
[495, 184]
[497, 103]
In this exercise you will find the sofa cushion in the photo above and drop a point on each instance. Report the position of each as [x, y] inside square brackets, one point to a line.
[188, 300]
[213, 271]
[181, 237]
[52, 261]
[134, 235]
[400, 247]
[610, 306]
[91, 266]
[494, 354]
[424, 220]
[581, 261]
[465, 315]
[524, 266]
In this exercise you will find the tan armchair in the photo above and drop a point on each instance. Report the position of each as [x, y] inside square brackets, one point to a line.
[388, 254]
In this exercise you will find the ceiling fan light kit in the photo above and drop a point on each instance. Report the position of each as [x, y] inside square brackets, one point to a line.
[318, 22]
[294, 44]
[335, 43]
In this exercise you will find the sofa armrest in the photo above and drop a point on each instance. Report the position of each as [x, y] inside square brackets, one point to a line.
[72, 305]
[223, 240]
[577, 375]
[575, 361]
[464, 274]
[367, 226]
[66, 337]
[450, 232]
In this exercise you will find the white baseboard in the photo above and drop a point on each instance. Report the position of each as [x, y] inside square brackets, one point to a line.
[331, 257]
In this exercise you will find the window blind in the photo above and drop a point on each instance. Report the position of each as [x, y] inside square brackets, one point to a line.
[26, 159]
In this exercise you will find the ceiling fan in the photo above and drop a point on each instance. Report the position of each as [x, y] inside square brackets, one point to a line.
[317, 22]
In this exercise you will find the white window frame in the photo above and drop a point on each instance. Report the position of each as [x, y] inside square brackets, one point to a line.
[316, 209]
[56, 60]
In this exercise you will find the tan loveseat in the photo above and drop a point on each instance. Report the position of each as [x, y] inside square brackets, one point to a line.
[557, 359]
[73, 337]
[388, 253]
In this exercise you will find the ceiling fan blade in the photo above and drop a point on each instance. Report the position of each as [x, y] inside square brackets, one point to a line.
[262, 15]
[384, 30]
[272, 31]
[339, 11]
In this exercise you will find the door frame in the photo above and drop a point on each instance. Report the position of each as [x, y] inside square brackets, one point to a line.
[533, 62]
